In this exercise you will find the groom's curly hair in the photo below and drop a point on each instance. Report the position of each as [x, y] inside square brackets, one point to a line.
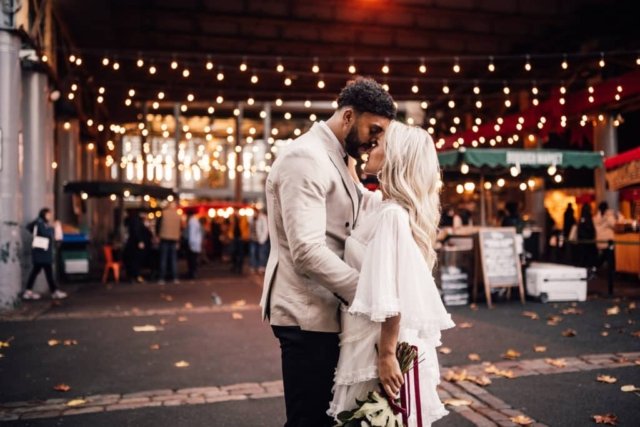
[366, 95]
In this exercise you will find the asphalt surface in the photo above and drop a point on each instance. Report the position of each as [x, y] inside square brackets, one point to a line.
[222, 349]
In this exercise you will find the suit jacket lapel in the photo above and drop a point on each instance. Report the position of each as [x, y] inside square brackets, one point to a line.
[349, 185]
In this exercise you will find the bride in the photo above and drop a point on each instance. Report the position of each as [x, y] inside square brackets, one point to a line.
[396, 299]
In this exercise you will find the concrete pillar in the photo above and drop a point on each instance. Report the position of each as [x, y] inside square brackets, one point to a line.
[605, 139]
[178, 137]
[37, 182]
[10, 170]
[68, 158]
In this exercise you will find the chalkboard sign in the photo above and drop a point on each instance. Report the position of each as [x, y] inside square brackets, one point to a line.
[499, 260]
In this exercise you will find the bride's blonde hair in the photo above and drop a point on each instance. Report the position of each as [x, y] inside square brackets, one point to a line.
[410, 175]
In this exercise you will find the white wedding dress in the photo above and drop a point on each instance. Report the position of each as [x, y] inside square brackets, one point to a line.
[394, 279]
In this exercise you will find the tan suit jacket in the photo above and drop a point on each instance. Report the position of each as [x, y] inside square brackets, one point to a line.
[313, 205]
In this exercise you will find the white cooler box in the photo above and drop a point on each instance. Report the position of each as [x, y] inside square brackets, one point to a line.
[556, 282]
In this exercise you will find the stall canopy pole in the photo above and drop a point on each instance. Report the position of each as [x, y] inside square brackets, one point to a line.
[483, 207]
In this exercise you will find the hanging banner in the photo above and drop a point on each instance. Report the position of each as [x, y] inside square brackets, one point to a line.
[624, 176]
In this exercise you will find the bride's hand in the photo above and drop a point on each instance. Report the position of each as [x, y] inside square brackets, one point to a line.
[390, 374]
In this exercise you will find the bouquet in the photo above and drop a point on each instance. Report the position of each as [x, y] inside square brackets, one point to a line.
[379, 409]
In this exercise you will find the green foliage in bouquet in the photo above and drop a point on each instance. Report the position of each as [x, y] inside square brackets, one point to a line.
[376, 410]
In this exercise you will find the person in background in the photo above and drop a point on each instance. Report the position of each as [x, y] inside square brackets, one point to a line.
[169, 233]
[465, 218]
[568, 222]
[216, 238]
[42, 259]
[446, 220]
[239, 237]
[134, 249]
[587, 252]
[513, 218]
[258, 242]
[604, 222]
[194, 237]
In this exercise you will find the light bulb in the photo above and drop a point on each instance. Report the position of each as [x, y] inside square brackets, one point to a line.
[174, 65]
[140, 63]
[254, 79]
[152, 69]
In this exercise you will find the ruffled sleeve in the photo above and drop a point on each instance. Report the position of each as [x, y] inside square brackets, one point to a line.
[395, 278]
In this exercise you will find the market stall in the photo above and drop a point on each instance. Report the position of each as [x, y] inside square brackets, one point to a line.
[623, 173]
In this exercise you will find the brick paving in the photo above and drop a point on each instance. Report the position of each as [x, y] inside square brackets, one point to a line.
[483, 408]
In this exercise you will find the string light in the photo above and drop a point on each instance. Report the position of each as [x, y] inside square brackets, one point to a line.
[72, 58]
[160, 95]
[105, 61]
[564, 64]
[220, 99]
[127, 102]
[456, 66]
[491, 67]
[321, 83]
[174, 65]
[478, 104]
[315, 68]
[45, 58]
[534, 89]
[423, 67]
[209, 65]
[220, 75]
[601, 63]
[190, 97]
[251, 101]
[78, 61]
[254, 78]
[279, 102]
[279, 67]
[307, 104]
[116, 66]
[385, 67]
[132, 93]
[506, 90]
[211, 110]
[287, 81]
[152, 69]
[451, 104]
[140, 63]
[527, 65]
[424, 105]
[186, 73]
[352, 67]
[445, 87]
[101, 90]
[476, 89]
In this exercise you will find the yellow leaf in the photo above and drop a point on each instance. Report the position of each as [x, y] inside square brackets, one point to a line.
[188, 305]
[465, 325]
[7, 343]
[531, 315]
[453, 376]
[61, 387]
[239, 303]
[558, 363]
[76, 402]
[163, 321]
[182, 364]
[154, 347]
[521, 420]
[553, 320]
[511, 354]
[571, 310]
[166, 297]
[612, 311]
[606, 379]
[474, 357]
[473, 306]
[492, 369]
[70, 342]
[539, 348]
[457, 402]
[604, 334]
[182, 319]
[147, 328]
[630, 388]
[482, 380]
[609, 419]
[237, 316]
[444, 350]
[632, 305]
[53, 343]
[569, 333]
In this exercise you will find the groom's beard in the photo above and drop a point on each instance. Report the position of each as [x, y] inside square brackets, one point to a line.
[352, 143]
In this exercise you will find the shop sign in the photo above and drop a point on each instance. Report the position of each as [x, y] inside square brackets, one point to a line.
[533, 158]
[624, 176]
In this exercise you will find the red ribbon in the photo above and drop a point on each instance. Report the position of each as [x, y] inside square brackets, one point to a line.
[405, 395]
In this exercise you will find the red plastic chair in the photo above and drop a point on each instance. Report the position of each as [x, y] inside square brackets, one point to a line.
[110, 264]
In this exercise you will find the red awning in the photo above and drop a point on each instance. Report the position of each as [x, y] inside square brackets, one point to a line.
[622, 158]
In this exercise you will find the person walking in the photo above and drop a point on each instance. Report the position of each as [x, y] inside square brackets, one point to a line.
[134, 249]
[259, 240]
[194, 236]
[169, 234]
[587, 252]
[42, 256]
[604, 222]
[313, 205]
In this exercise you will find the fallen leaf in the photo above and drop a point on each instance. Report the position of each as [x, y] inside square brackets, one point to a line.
[53, 343]
[539, 348]
[511, 354]
[163, 321]
[531, 315]
[629, 388]
[182, 319]
[154, 347]
[492, 369]
[604, 334]
[558, 363]
[554, 320]
[237, 316]
[632, 305]
[147, 328]
[465, 325]
[609, 419]
[571, 310]
[521, 420]
[569, 333]
[76, 402]
[606, 379]
[473, 306]
[61, 387]
[166, 297]
[239, 303]
[457, 402]
[482, 380]
[182, 364]
[7, 343]
[453, 376]
[474, 357]
[188, 305]
[70, 342]
[444, 350]
[612, 311]
[635, 334]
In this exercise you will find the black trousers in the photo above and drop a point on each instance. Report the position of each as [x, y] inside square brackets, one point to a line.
[48, 272]
[192, 260]
[309, 360]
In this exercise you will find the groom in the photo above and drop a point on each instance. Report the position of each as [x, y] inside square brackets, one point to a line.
[313, 205]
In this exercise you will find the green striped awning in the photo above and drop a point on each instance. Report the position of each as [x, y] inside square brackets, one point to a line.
[537, 158]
